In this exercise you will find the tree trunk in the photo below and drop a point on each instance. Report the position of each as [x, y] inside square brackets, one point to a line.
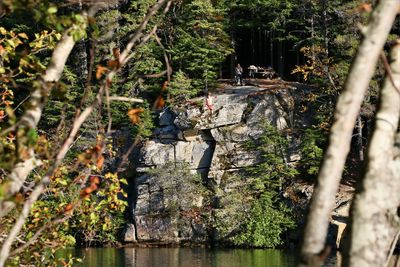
[325, 19]
[265, 48]
[374, 213]
[271, 47]
[360, 139]
[347, 110]
[233, 57]
[31, 118]
[312, 40]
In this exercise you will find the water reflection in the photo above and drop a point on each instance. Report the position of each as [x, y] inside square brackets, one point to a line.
[185, 257]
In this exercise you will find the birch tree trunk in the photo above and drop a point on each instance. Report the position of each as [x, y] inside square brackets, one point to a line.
[32, 115]
[374, 213]
[346, 113]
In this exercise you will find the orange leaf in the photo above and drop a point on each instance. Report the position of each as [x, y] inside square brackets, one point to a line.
[160, 102]
[100, 162]
[94, 180]
[99, 72]
[97, 148]
[113, 64]
[133, 114]
[68, 208]
[116, 53]
[365, 7]
[86, 192]
[93, 187]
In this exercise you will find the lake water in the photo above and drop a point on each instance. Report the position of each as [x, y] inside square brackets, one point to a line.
[185, 257]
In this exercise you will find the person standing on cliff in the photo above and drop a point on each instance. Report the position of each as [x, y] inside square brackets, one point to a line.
[209, 103]
[239, 74]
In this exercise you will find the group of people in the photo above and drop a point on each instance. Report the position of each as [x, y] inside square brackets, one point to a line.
[264, 72]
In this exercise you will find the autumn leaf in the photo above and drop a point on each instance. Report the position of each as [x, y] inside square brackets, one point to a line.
[365, 7]
[83, 158]
[68, 208]
[23, 35]
[113, 64]
[116, 53]
[100, 162]
[93, 187]
[94, 180]
[133, 115]
[160, 102]
[86, 192]
[219, 18]
[100, 71]
[98, 148]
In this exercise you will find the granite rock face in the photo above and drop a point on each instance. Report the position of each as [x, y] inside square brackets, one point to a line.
[129, 234]
[185, 166]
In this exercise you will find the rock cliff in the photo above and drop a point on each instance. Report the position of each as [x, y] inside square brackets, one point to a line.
[187, 188]
[186, 183]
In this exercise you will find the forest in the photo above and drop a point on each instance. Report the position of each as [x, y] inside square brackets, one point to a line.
[121, 124]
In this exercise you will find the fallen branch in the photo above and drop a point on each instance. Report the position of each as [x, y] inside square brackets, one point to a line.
[125, 99]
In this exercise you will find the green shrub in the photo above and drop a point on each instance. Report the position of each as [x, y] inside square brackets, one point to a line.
[268, 217]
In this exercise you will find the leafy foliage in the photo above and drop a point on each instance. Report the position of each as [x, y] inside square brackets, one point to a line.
[260, 212]
[175, 181]
[311, 151]
[181, 87]
[200, 42]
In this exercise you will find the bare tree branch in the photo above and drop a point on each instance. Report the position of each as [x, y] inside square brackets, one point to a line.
[38, 233]
[108, 110]
[134, 38]
[155, 75]
[126, 99]
[166, 59]
[125, 157]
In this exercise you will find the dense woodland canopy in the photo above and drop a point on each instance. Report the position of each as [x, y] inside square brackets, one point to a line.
[118, 63]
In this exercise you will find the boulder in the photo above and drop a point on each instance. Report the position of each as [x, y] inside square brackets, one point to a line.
[156, 228]
[232, 133]
[267, 110]
[166, 117]
[231, 155]
[167, 133]
[155, 153]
